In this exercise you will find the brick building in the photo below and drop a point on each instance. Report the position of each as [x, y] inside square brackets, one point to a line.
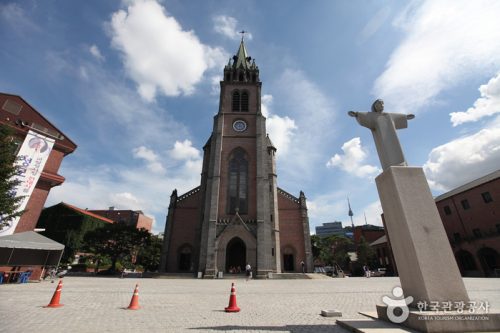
[22, 118]
[68, 224]
[471, 218]
[470, 215]
[238, 214]
[134, 218]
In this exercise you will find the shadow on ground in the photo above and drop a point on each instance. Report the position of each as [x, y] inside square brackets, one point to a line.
[287, 328]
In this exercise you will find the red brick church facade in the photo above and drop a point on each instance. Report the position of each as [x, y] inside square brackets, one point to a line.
[238, 214]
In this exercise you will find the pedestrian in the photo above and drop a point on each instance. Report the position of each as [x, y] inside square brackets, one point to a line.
[367, 271]
[303, 267]
[248, 271]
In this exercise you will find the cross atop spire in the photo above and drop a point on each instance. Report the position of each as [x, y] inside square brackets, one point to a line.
[242, 32]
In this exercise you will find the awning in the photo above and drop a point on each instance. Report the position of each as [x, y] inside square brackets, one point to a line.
[29, 248]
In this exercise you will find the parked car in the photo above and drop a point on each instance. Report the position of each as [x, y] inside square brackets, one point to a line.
[329, 270]
[320, 270]
[378, 272]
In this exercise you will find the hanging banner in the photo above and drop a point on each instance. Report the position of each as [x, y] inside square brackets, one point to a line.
[30, 160]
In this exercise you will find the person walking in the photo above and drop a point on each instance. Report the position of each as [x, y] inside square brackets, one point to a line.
[248, 271]
[303, 267]
[367, 271]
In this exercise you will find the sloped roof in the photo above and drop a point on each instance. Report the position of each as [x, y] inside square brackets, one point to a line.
[475, 183]
[29, 240]
[86, 212]
[381, 240]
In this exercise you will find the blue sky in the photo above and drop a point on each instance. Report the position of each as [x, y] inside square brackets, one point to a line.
[135, 85]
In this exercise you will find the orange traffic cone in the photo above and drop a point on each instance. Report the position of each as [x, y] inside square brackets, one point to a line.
[134, 302]
[54, 302]
[232, 307]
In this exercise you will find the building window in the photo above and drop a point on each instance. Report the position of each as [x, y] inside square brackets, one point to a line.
[477, 233]
[244, 101]
[487, 197]
[447, 210]
[465, 204]
[240, 101]
[456, 237]
[236, 101]
[238, 182]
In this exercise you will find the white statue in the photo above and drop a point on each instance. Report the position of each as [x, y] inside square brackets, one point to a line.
[383, 126]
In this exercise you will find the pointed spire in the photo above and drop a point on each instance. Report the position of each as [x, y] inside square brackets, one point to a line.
[241, 59]
[241, 67]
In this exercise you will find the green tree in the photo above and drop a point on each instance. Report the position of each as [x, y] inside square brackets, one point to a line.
[117, 242]
[9, 203]
[332, 250]
[366, 254]
[149, 254]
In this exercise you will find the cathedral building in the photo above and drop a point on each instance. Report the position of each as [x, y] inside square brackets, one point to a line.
[238, 215]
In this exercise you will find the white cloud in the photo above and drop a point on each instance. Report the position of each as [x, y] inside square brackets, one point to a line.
[94, 50]
[158, 54]
[266, 101]
[184, 151]
[280, 129]
[375, 23]
[372, 212]
[14, 15]
[446, 42]
[465, 159]
[154, 165]
[313, 116]
[488, 104]
[215, 84]
[126, 199]
[227, 26]
[352, 160]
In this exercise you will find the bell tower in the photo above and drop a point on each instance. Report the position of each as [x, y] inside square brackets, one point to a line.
[239, 178]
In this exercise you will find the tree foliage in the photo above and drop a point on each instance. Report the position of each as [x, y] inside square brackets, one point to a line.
[366, 254]
[332, 250]
[9, 203]
[116, 241]
[149, 254]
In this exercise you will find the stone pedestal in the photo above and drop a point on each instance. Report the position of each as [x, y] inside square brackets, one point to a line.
[450, 322]
[427, 267]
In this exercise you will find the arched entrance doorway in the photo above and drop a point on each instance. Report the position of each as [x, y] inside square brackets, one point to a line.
[465, 262]
[288, 260]
[489, 260]
[185, 258]
[236, 255]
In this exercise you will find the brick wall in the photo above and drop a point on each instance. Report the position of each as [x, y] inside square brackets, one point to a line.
[291, 231]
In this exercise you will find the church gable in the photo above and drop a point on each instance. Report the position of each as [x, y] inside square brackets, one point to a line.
[287, 200]
[189, 199]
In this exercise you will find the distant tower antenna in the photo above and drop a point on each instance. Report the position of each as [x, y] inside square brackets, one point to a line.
[366, 222]
[350, 213]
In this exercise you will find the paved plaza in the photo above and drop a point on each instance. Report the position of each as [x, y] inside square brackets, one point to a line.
[190, 305]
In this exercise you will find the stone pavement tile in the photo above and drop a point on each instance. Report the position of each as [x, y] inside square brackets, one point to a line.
[192, 305]
[368, 325]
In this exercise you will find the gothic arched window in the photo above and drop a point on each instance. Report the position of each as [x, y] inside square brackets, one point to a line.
[244, 101]
[238, 182]
[236, 101]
